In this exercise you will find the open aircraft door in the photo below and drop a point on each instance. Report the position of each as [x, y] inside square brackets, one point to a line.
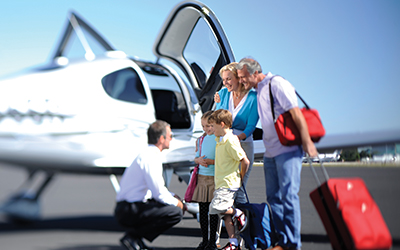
[193, 43]
[193, 39]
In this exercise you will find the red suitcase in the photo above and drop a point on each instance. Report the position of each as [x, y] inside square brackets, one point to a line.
[350, 215]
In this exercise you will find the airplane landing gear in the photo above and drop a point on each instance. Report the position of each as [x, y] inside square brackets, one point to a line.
[24, 206]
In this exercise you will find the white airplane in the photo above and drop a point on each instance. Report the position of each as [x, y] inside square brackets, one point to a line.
[325, 157]
[330, 157]
[89, 113]
[87, 110]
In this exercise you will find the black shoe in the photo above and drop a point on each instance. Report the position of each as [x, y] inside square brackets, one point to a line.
[211, 246]
[202, 245]
[130, 243]
[143, 246]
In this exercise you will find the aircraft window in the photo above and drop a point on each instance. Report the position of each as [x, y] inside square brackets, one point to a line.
[125, 85]
[202, 51]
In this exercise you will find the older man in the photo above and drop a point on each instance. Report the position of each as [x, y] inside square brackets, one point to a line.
[282, 164]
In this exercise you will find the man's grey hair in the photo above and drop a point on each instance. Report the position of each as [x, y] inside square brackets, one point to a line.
[251, 65]
[157, 129]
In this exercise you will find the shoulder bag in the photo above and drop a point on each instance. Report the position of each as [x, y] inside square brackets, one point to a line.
[287, 130]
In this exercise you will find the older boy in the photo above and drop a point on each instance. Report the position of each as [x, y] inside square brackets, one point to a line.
[228, 155]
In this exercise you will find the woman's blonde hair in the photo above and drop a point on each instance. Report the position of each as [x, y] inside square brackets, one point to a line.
[232, 68]
[229, 67]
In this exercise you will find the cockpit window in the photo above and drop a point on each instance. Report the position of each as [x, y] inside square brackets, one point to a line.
[125, 85]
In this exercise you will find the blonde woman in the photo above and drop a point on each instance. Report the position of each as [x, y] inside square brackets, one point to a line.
[242, 104]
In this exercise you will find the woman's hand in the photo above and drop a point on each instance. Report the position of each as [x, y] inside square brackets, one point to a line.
[217, 98]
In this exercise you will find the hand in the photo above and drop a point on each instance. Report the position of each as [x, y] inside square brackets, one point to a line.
[245, 162]
[309, 148]
[243, 135]
[182, 206]
[217, 98]
[202, 161]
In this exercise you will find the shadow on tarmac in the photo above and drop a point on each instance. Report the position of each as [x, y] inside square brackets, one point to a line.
[109, 224]
[88, 223]
[91, 247]
[94, 247]
[92, 223]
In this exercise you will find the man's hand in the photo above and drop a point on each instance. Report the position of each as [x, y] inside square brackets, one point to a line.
[180, 204]
[310, 149]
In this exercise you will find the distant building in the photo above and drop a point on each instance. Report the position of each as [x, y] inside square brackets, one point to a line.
[389, 152]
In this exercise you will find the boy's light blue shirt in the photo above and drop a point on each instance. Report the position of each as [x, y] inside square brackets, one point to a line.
[208, 150]
[247, 118]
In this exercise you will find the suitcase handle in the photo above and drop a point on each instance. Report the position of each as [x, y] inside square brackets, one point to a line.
[315, 173]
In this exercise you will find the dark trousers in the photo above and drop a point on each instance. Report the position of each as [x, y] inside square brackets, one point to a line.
[147, 220]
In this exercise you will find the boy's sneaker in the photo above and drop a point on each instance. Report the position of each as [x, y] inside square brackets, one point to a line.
[242, 220]
[229, 246]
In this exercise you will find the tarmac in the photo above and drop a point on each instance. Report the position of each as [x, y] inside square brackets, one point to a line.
[77, 211]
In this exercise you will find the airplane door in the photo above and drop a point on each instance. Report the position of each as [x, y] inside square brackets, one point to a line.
[194, 40]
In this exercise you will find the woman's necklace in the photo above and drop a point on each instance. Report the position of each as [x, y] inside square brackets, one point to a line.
[238, 95]
[237, 100]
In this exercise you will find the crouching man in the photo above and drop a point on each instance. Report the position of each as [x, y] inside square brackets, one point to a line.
[144, 205]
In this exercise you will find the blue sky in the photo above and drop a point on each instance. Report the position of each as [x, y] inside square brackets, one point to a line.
[342, 56]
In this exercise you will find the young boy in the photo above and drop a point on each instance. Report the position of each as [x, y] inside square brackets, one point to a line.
[228, 155]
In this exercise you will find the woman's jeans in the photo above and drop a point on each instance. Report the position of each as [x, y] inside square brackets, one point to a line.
[282, 180]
